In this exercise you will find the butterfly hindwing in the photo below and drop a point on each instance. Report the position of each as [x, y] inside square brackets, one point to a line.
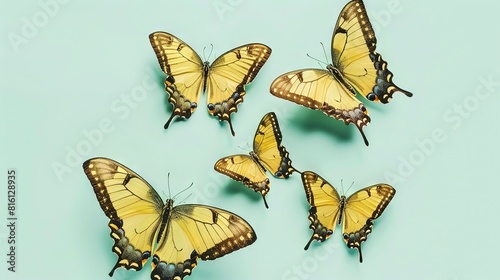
[356, 213]
[229, 74]
[121, 192]
[224, 80]
[319, 90]
[142, 226]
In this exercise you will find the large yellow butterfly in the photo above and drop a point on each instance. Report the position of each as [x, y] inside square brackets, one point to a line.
[267, 154]
[356, 69]
[356, 213]
[143, 227]
[224, 80]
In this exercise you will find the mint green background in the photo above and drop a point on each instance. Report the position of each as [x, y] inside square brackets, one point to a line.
[76, 68]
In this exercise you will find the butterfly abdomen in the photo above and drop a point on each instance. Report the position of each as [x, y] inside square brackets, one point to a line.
[165, 218]
[336, 72]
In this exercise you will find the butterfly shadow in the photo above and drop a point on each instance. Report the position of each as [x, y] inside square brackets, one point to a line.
[235, 188]
[310, 120]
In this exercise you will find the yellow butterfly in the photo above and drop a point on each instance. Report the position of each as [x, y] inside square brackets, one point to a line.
[356, 69]
[267, 154]
[356, 213]
[142, 226]
[224, 80]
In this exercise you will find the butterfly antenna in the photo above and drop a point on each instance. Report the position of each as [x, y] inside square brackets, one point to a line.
[168, 185]
[324, 50]
[211, 50]
[245, 147]
[349, 187]
[184, 200]
[204, 56]
[179, 193]
[319, 61]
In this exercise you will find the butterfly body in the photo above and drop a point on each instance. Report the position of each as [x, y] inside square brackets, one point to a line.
[143, 226]
[188, 76]
[356, 69]
[355, 213]
[268, 154]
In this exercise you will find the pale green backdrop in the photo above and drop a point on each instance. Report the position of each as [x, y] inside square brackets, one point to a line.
[79, 79]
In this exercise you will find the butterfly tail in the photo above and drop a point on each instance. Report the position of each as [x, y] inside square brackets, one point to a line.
[230, 126]
[117, 265]
[265, 202]
[295, 170]
[360, 128]
[360, 255]
[309, 242]
[169, 120]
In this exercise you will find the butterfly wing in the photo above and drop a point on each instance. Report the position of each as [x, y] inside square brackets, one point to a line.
[198, 231]
[132, 206]
[320, 90]
[184, 70]
[353, 54]
[361, 209]
[267, 146]
[245, 169]
[229, 74]
[325, 206]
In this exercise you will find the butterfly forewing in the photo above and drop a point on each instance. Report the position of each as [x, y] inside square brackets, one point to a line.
[353, 54]
[229, 74]
[184, 70]
[320, 90]
[132, 206]
[245, 169]
[267, 146]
